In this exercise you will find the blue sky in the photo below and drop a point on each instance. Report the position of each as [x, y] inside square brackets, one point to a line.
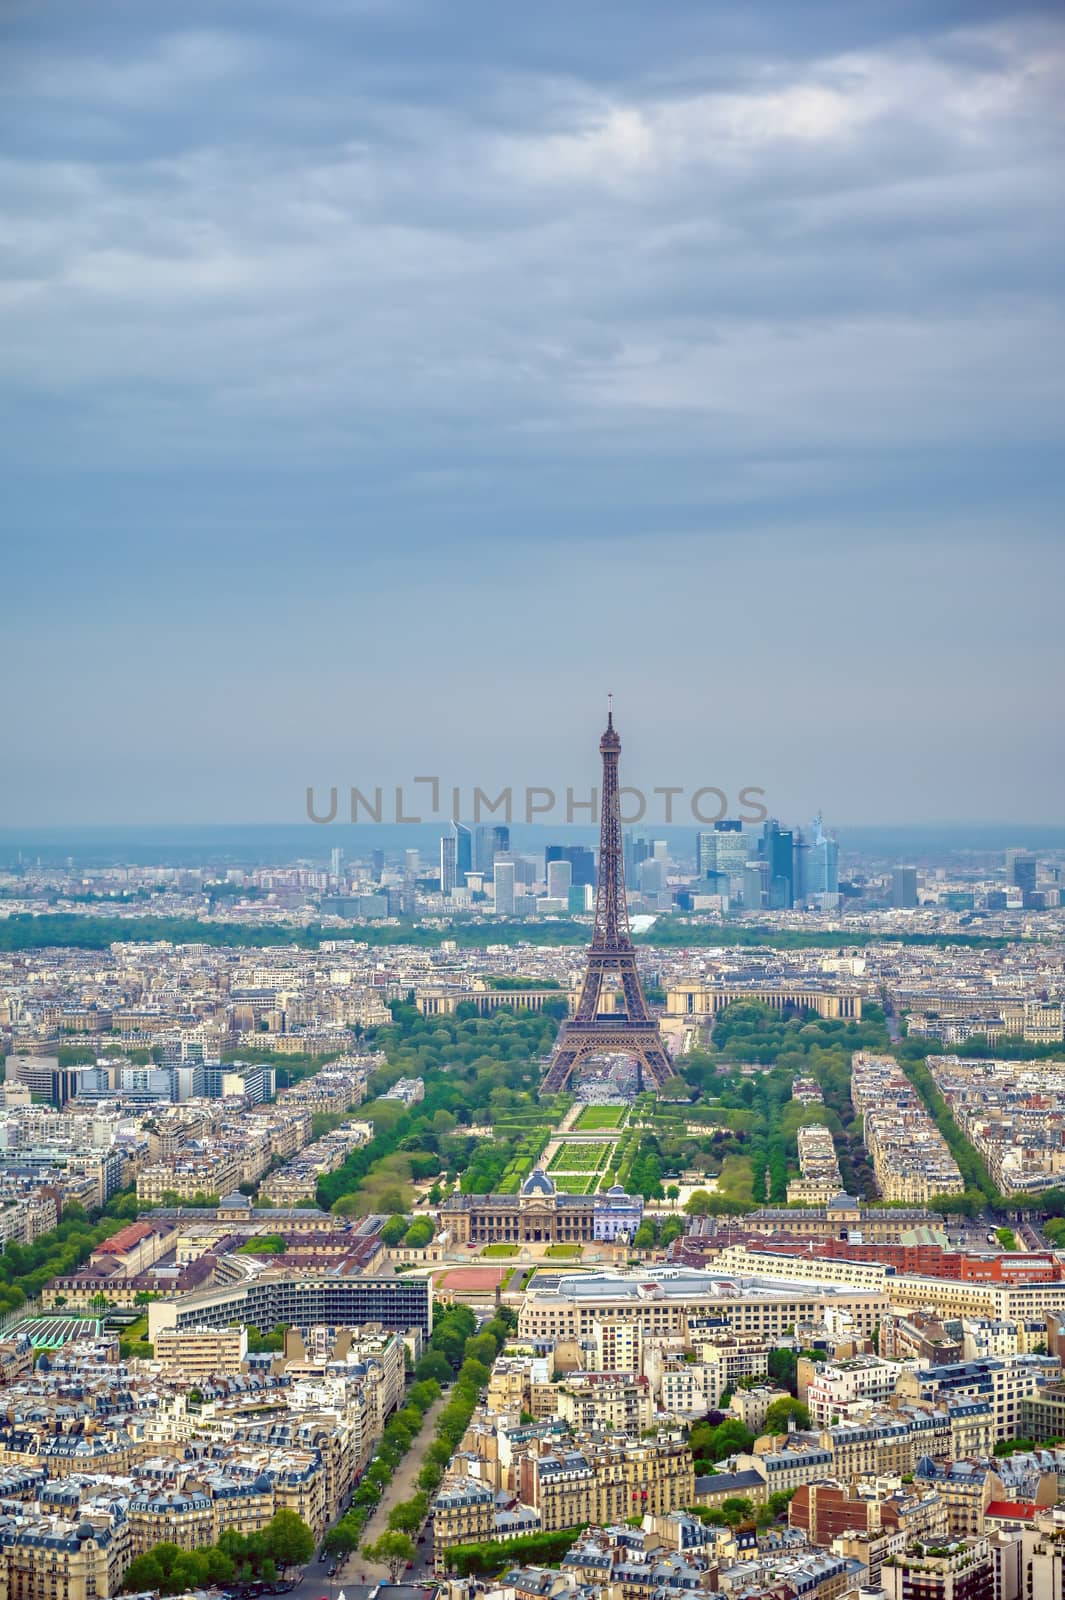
[383, 382]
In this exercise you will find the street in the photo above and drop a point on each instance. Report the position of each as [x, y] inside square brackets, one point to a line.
[402, 1487]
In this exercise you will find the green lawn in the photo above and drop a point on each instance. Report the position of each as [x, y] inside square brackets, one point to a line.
[574, 1183]
[594, 1118]
[581, 1157]
[501, 1251]
[564, 1250]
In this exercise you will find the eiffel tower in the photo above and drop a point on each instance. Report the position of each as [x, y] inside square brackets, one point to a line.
[589, 1032]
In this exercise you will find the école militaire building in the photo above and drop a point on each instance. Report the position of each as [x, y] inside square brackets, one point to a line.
[540, 1214]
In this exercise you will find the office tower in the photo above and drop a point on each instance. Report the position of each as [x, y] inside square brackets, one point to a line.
[411, 863]
[1021, 870]
[580, 858]
[778, 852]
[724, 849]
[377, 865]
[822, 862]
[559, 880]
[336, 856]
[640, 851]
[490, 840]
[525, 869]
[652, 876]
[448, 859]
[503, 879]
[463, 852]
[755, 896]
[660, 849]
[581, 897]
[904, 888]
[714, 883]
[799, 851]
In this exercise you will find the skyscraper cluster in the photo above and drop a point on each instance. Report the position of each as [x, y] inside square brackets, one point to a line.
[777, 871]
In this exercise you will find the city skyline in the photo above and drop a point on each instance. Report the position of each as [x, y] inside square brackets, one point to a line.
[716, 364]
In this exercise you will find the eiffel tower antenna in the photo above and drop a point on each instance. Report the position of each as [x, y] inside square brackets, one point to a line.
[591, 1031]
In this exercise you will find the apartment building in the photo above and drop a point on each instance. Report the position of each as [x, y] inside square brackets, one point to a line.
[820, 1180]
[201, 1352]
[605, 1402]
[185, 1176]
[1003, 1384]
[463, 1513]
[910, 1157]
[961, 1570]
[785, 1463]
[605, 1481]
[1014, 1114]
[49, 1558]
[839, 1386]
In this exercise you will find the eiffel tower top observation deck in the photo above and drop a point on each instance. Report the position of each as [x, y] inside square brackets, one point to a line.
[631, 1031]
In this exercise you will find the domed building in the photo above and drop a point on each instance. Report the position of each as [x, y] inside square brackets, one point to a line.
[540, 1214]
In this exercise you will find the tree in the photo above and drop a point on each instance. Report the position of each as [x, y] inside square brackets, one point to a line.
[781, 1411]
[409, 1515]
[343, 1537]
[392, 1550]
[423, 1394]
[434, 1364]
[475, 1373]
[699, 1203]
[287, 1539]
[710, 1444]
[394, 1230]
[482, 1348]
[736, 1509]
[144, 1574]
[673, 1193]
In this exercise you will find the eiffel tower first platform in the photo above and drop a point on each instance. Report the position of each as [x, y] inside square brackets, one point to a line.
[611, 960]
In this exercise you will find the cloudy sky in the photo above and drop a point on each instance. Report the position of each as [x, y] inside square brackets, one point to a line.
[383, 381]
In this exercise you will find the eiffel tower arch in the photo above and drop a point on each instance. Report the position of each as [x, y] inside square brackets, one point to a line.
[611, 961]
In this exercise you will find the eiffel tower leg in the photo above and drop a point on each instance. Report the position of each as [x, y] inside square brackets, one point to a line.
[658, 1066]
[558, 1073]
